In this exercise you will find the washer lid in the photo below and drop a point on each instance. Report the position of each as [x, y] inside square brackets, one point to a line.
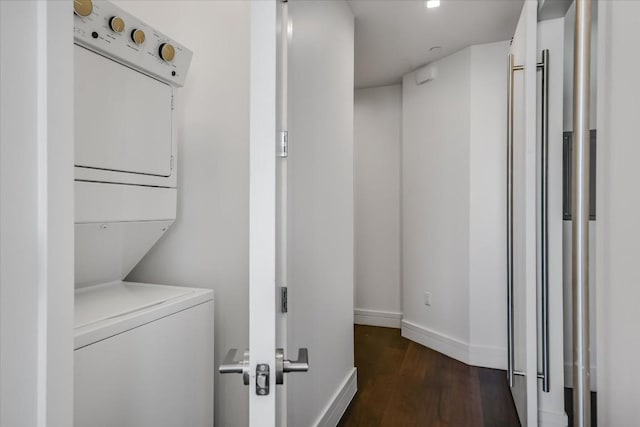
[109, 301]
[103, 311]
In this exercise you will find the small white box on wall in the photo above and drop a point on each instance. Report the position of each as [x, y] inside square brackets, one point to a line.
[426, 74]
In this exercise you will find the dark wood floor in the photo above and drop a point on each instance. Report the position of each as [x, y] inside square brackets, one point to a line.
[401, 383]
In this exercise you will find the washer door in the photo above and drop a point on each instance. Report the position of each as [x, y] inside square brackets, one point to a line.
[123, 118]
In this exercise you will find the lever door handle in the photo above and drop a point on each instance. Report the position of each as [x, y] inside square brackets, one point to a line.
[286, 366]
[300, 365]
[231, 366]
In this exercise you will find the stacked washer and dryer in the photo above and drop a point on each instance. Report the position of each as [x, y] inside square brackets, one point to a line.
[143, 352]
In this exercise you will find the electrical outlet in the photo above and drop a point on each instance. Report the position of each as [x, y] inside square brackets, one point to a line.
[427, 298]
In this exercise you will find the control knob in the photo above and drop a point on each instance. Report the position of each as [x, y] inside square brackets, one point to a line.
[82, 7]
[138, 36]
[117, 24]
[167, 52]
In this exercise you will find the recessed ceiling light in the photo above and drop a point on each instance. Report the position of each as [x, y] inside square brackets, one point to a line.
[433, 3]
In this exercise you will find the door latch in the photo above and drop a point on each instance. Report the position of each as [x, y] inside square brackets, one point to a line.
[262, 379]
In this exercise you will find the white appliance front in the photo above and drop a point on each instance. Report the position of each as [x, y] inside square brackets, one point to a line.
[126, 75]
[143, 352]
[123, 119]
[143, 356]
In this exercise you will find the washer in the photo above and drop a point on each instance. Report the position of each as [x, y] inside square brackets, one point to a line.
[143, 352]
[143, 356]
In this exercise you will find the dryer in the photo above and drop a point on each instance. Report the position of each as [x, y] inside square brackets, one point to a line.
[143, 352]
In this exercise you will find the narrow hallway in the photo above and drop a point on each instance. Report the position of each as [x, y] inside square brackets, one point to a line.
[402, 383]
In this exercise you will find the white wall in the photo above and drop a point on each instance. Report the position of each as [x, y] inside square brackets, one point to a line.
[36, 214]
[320, 195]
[377, 133]
[618, 209]
[453, 206]
[435, 198]
[487, 184]
[208, 245]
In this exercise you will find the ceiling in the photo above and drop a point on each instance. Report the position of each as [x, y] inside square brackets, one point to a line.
[394, 37]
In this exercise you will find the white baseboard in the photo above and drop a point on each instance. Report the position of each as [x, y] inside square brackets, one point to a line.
[488, 356]
[339, 402]
[552, 419]
[387, 319]
[444, 344]
[568, 376]
[475, 355]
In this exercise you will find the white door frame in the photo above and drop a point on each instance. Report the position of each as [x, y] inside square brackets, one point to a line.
[36, 213]
[284, 26]
[262, 207]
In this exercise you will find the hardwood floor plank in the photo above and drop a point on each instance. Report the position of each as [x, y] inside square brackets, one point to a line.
[406, 403]
[477, 414]
[495, 393]
[402, 383]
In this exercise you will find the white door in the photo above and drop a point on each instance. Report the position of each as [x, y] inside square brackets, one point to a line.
[262, 213]
[320, 209]
[523, 333]
[264, 364]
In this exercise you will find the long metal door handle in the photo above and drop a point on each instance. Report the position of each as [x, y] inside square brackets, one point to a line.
[544, 220]
[284, 366]
[510, 334]
[544, 292]
[231, 366]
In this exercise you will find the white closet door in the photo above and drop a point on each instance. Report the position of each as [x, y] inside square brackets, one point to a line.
[523, 51]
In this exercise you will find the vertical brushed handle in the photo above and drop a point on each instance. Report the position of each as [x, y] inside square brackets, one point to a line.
[510, 336]
[544, 220]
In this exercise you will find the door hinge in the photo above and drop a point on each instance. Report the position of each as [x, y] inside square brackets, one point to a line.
[284, 299]
[173, 102]
[283, 144]
[171, 163]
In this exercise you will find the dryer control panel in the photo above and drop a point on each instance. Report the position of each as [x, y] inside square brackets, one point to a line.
[106, 29]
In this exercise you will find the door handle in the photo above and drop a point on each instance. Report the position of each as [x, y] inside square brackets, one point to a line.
[231, 366]
[544, 216]
[511, 372]
[510, 287]
[284, 366]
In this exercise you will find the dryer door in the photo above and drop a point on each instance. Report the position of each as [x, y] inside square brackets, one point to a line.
[123, 118]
